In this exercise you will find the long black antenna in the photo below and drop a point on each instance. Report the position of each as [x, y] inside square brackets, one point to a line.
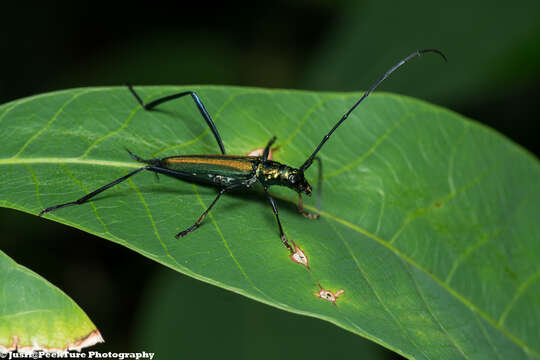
[308, 162]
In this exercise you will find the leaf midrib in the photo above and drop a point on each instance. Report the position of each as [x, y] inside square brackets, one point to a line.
[387, 244]
[76, 160]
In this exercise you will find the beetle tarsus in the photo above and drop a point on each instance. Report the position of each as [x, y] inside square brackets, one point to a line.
[304, 213]
[286, 243]
[309, 215]
[201, 218]
[187, 231]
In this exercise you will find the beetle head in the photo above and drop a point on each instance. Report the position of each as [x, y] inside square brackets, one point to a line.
[297, 181]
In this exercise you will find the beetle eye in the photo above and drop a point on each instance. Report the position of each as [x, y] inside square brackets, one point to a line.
[292, 178]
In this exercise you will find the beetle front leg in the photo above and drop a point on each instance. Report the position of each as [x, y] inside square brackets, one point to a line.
[281, 234]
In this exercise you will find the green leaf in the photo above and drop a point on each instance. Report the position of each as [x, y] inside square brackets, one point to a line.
[34, 314]
[428, 221]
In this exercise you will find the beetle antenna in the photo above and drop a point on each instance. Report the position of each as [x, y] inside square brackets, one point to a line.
[308, 162]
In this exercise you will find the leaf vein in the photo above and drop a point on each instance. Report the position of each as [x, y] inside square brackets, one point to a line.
[486, 335]
[439, 281]
[371, 150]
[419, 212]
[202, 135]
[303, 119]
[94, 207]
[471, 249]
[227, 247]
[521, 289]
[431, 314]
[154, 227]
[51, 121]
[112, 133]
[374, 291]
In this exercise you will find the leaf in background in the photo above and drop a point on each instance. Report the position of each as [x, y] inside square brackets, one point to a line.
[34, 314]
[428, 220]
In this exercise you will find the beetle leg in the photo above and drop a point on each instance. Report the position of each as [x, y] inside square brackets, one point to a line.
[201, 218]
[301, 210]
[197, 101]
[267, 148]
[281, 234]
[94, 193]
[319, 182]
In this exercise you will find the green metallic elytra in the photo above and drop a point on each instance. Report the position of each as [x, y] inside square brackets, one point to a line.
[226, 170]
[217, 169]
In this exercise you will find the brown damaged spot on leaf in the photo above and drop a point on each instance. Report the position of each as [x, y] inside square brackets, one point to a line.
[12, 347]
[299, 257]
[328, 295]
[91, 339]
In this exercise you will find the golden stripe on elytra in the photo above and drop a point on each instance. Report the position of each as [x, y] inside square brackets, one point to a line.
[236, 164]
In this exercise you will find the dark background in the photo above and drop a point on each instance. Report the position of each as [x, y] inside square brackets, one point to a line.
[492, 76]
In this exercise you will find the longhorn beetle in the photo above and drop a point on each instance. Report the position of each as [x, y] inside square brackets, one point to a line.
[228, 172]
